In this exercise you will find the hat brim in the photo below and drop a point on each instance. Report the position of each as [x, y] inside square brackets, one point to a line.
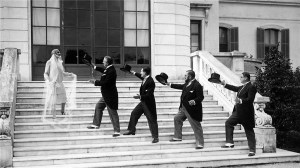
[87, 62]
[161, 80]
[124, 70]
[213, 80]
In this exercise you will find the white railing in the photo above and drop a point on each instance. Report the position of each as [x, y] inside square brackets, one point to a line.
[204, 64]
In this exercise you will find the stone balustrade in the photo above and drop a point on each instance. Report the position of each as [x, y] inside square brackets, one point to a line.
[8, 90]
[204, 64]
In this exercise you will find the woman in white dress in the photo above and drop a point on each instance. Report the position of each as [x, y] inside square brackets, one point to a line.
[54, 74]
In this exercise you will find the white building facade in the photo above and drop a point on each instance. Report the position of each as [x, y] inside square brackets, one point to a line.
[156, 33]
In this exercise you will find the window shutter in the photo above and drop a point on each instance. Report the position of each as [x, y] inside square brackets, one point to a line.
[234, 39]
[260, 43]
[285, 38]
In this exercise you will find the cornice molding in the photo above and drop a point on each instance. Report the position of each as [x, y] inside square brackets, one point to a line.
[201, 5]
[264, 2]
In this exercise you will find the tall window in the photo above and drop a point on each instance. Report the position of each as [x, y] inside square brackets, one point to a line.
[108, 29]
[118, 28]
[271, 39]
[45, 29]
[268, 38]
[76, 30]
[136, 32]
[195, 35]
[228, 39]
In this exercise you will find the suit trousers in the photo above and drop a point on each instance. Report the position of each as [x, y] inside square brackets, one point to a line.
[179, 118]
[113, 114]
[229, 128]
[137, 112]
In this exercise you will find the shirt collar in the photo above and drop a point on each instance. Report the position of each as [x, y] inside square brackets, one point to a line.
[190, 82]
[108, 66]
[146, 77]
[246, 83]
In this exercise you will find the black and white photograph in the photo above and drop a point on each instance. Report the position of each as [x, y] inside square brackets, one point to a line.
[149, 83]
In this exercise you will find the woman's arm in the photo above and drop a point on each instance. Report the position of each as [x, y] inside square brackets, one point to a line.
[47, 71]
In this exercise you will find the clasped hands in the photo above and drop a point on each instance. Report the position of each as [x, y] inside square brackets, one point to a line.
[237, 100]
[192, 103]
[92, 81]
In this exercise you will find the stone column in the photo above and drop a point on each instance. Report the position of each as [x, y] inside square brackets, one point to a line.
[170, 37]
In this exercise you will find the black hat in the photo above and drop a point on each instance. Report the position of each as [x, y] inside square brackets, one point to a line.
[214, 78]
[87, 59]
[162, 78]
[126, 68]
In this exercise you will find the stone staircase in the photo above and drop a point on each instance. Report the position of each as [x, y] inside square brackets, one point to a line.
[40, 144]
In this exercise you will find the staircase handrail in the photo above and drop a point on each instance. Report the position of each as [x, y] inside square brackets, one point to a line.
[204, 64]
[8, 85]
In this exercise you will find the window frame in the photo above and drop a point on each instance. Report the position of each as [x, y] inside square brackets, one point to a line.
[199, 34]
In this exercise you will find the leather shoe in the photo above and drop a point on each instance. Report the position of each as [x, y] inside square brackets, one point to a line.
[225, 146]
[155, 140]
[199, 147]
[129, 133]
[175, 140]
[91, 127]
[116, 134]
[251, 154]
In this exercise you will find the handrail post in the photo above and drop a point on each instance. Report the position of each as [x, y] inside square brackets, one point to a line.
[8, 91]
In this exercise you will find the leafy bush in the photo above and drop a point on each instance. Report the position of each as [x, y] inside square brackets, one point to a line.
[282, 85]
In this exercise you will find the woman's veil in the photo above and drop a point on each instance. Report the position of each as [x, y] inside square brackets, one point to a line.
[59, 121]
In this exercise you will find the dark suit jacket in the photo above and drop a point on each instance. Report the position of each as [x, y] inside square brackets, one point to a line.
[245, 110]
[193, 92]
[147, 93]
[108, 86]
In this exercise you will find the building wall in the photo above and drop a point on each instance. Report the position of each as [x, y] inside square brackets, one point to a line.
[249, 15]
[14, 32]
[210, 24]
[170, 26]
[170, 29]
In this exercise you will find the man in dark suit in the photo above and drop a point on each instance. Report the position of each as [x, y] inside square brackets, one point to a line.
[109, 97]
[147, 105]
[243, 112]
[190, 108]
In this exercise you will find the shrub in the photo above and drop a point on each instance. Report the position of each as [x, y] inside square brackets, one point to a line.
[282, 85]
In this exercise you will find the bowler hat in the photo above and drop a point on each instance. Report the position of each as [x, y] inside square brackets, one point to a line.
[126, 68]
[214, 78]
[162, 78]
[87, 59]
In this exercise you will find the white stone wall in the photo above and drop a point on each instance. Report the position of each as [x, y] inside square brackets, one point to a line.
[14, 32]
[249, 16]
[170, 37]
[210, 25]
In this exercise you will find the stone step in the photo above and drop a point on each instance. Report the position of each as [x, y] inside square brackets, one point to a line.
[204, 107]
[95, 99]
[110, 147]
[56, 132]
[121, 110]
[104, 139]
[122, 116]
[176, 93]
[68, 123]
[261, 160]
[95, 89]
[127, 155]
[133, 103]
[136, 83]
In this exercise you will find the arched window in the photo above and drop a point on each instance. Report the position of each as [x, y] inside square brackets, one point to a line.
[268, 37]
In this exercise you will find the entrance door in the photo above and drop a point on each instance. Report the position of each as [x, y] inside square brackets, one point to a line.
[118, 28]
